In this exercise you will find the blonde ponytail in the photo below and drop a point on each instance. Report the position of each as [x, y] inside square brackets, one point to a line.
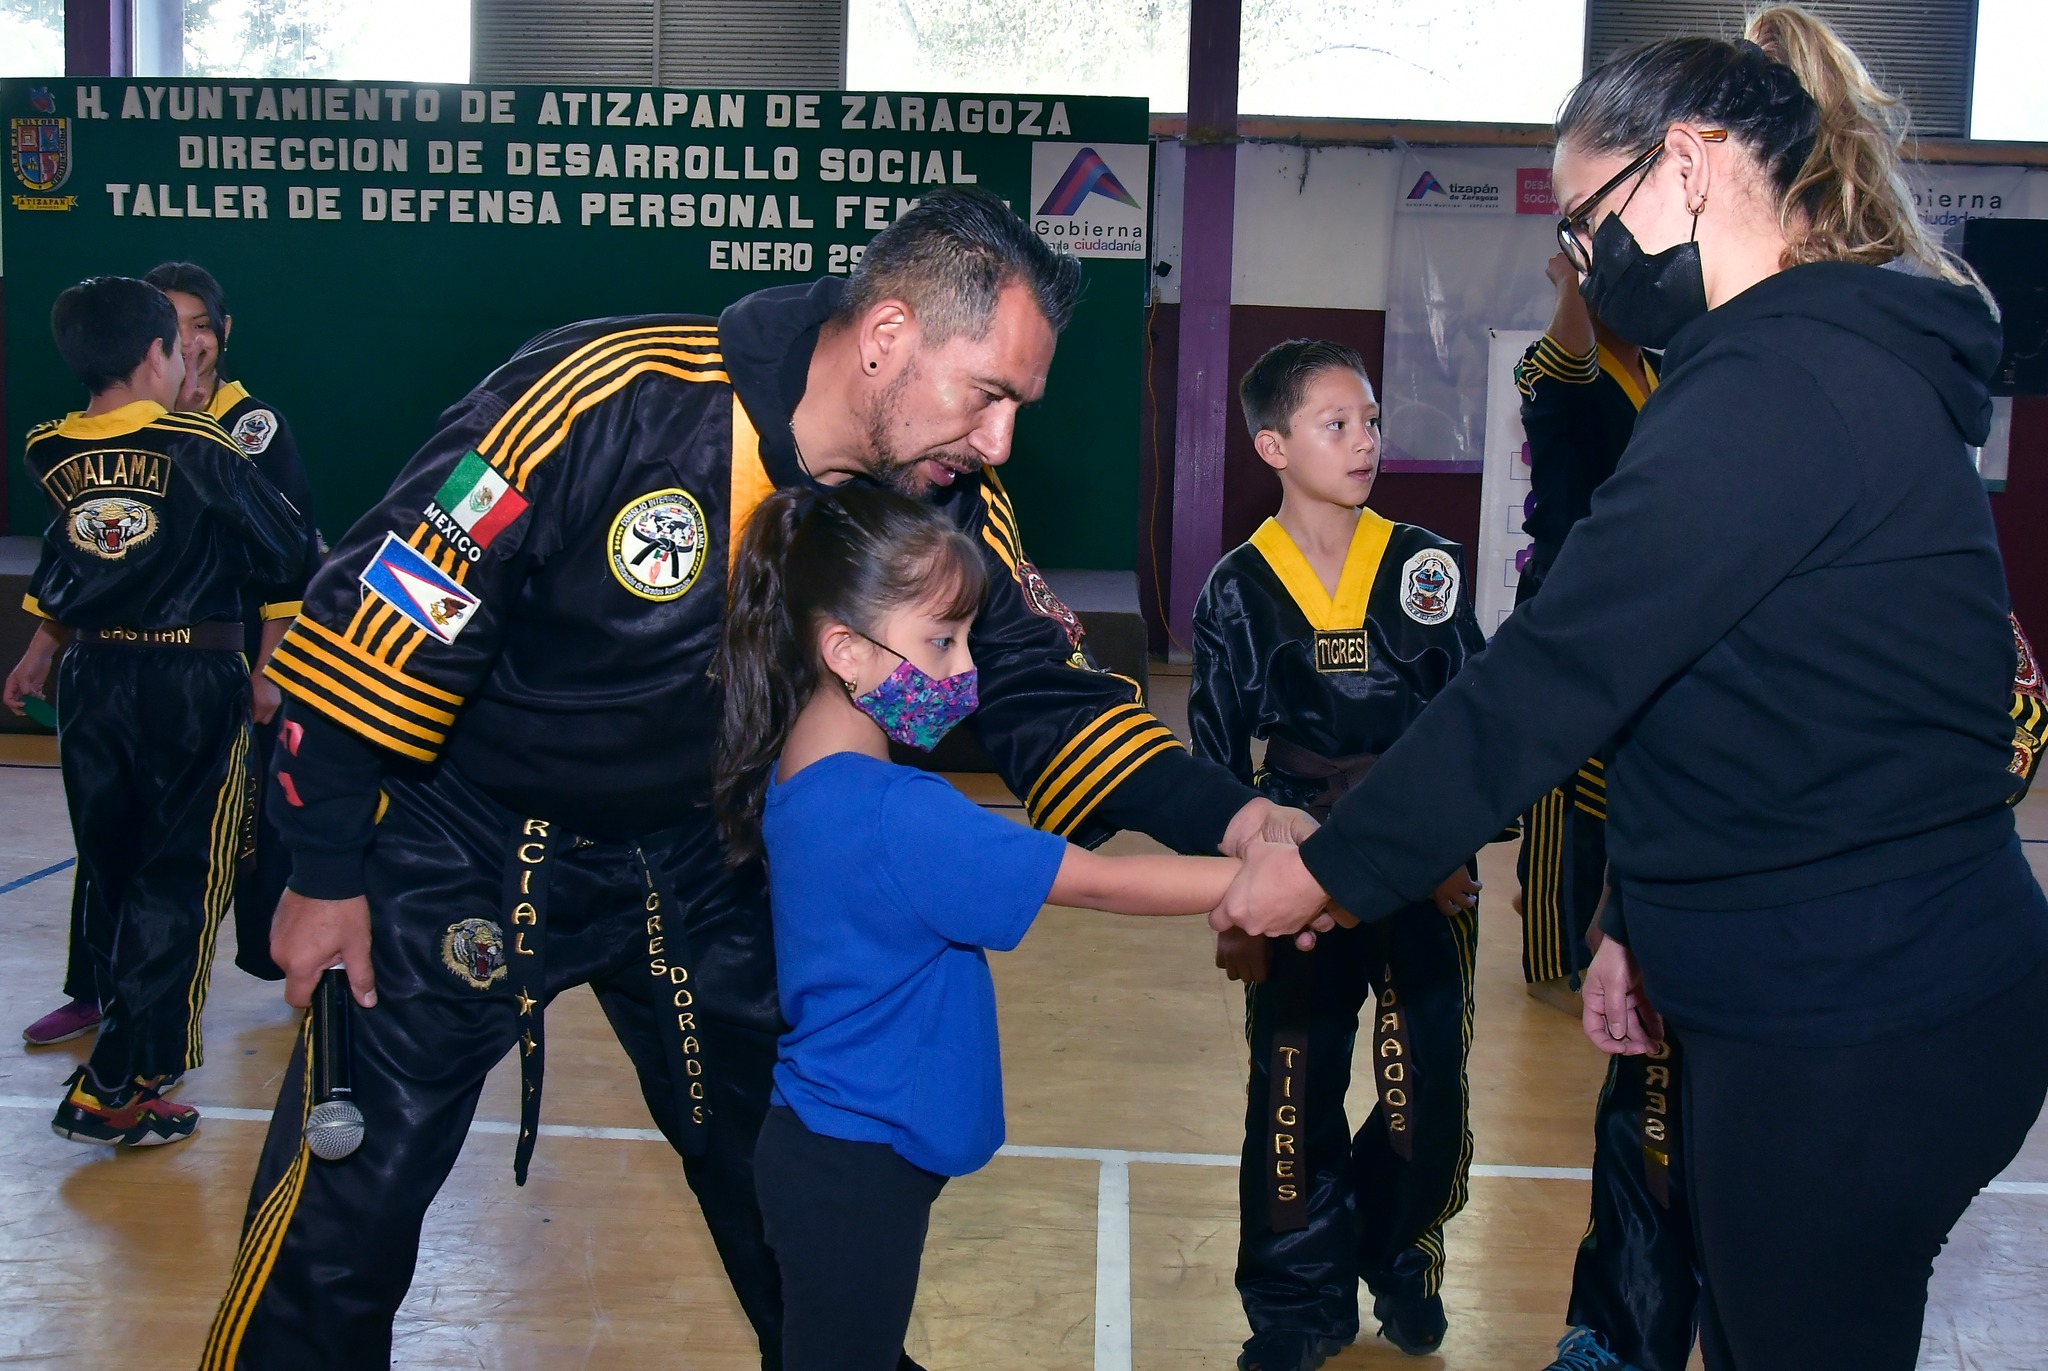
[1850, 201]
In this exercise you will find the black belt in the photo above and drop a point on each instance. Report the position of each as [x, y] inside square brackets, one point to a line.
[1338, 774]
[209, 637]
[529, 875]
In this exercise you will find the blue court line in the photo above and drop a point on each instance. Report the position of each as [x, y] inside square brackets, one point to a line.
[19, 881]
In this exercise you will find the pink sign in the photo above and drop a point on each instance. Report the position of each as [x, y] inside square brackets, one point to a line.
[1532, 191]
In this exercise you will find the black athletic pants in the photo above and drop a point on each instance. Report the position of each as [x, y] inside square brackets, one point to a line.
[153, 742]
[79, 982]
[1562, 867]
[1320, 1209]
[266, 863]
[328, 1248]
[1634, 1282]
[847, 1221]
[1825, 1179]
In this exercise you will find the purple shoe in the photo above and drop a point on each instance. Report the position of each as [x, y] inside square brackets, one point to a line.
[74, 1020]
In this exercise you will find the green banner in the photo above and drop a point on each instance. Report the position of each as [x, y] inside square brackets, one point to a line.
[384, 247]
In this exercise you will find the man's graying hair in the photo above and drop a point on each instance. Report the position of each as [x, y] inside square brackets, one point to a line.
[949, 259]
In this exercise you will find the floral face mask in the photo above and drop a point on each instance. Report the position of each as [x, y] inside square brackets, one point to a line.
[914, 708]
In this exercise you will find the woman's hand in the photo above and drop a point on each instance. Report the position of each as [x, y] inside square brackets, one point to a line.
[1457, 893]
[1617, 1017]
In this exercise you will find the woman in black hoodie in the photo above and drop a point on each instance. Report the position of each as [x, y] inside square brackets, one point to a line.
[1787, 615]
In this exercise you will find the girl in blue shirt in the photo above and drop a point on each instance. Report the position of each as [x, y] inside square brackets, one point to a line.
[846, 627]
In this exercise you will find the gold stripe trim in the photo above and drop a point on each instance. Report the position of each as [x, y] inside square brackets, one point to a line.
[310, 693]
[1053, 769]
[412, 683]
[1102, 759]
[748, 485]
[571, 371]
[318, 665]
[542, 448]
[1073, 817]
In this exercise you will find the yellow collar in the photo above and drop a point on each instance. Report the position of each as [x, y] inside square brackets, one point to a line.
[226, 396]
[1638, 396]
[130, 417]
[1354, 586]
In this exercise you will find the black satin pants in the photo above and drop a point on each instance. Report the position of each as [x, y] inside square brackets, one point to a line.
[328, 1248]
[153, 742]
[1635, 1281]
[1370, 1206]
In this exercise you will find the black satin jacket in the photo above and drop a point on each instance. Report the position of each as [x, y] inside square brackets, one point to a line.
[158, 521]
[581, 506]
[1264, 669]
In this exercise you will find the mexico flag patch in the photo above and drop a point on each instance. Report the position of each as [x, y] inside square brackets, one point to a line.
[480, 501]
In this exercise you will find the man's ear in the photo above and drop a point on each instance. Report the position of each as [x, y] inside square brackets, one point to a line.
[885, 333]
[1266, 442]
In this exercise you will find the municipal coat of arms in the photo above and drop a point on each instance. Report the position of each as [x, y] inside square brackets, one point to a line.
[41, 151]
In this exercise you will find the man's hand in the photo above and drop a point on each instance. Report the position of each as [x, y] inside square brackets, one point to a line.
[1274, 895]
[1241, 956]
[264, 697]
[1457, 893]
[1618, 1018]
[307, 936]
[29, 677]
[1263, 821]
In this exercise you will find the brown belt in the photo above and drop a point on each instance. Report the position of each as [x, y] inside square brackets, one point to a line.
[210, 637]
[1338, 774]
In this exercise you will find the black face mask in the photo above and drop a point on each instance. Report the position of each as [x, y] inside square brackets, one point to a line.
[1645, 299]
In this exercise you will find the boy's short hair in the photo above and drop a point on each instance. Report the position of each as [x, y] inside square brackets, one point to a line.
[1271, 391]
[106, 325]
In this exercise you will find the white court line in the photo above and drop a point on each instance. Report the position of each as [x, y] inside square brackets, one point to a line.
[1112, 1199]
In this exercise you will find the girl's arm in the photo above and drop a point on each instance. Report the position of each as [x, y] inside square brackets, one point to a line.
[1142, 885]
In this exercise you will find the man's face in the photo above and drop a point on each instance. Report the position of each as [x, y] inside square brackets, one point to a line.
[953, 407]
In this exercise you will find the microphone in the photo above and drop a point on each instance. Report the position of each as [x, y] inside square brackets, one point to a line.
[334, 1128]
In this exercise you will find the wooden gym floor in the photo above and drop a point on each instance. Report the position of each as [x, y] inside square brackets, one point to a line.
[1103, 1238]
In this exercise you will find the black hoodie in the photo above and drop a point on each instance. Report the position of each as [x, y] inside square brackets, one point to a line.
[1786, 612]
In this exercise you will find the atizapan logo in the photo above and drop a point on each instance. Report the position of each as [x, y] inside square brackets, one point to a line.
[1427, 184]
[1089, 197]
[1086, 175]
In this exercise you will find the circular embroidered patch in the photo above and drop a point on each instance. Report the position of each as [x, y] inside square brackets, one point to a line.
[109, 527]
[656, 546]
[1429, 586]
[253, 431]
[475, 951]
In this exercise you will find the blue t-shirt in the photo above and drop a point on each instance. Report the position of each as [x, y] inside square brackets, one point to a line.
[886, 884]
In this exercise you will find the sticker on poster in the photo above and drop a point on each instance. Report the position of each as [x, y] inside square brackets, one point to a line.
[1089, 198]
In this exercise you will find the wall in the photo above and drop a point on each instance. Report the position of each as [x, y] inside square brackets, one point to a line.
[1314, 236]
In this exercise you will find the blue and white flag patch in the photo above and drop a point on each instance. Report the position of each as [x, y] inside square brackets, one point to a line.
[419, 590]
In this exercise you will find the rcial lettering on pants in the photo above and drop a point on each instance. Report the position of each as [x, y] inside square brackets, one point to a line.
[526, 901]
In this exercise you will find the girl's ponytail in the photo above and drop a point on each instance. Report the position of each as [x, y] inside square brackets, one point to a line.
[766, 670]
[1849, 202]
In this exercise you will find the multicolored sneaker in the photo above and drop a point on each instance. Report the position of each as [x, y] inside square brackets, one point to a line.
[1584, 1350]
[74, 1020]
[137, 1116]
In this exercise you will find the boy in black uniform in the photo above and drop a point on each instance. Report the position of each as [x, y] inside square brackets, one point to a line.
[1581, 388]
[159, 521]
[514, 647]
[1325, 635]
[259, 430]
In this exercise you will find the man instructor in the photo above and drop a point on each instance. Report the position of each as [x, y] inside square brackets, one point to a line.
[495, 770]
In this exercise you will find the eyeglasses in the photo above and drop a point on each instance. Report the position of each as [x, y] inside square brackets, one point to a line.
[1572, 229]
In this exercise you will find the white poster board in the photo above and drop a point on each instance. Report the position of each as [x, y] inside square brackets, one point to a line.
[1504, 485]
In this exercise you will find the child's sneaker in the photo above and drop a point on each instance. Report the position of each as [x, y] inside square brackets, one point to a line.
[1582, 1350]
[136, 1116]
[74, 1020]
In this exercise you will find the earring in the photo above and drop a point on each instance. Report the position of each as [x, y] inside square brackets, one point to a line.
[852, 688]
[873, 365]
[1699, 209]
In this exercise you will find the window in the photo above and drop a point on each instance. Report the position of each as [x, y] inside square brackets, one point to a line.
[2009, 100]
[1485, 61]
[1108, 47]
[346, 40]
[31, 37]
